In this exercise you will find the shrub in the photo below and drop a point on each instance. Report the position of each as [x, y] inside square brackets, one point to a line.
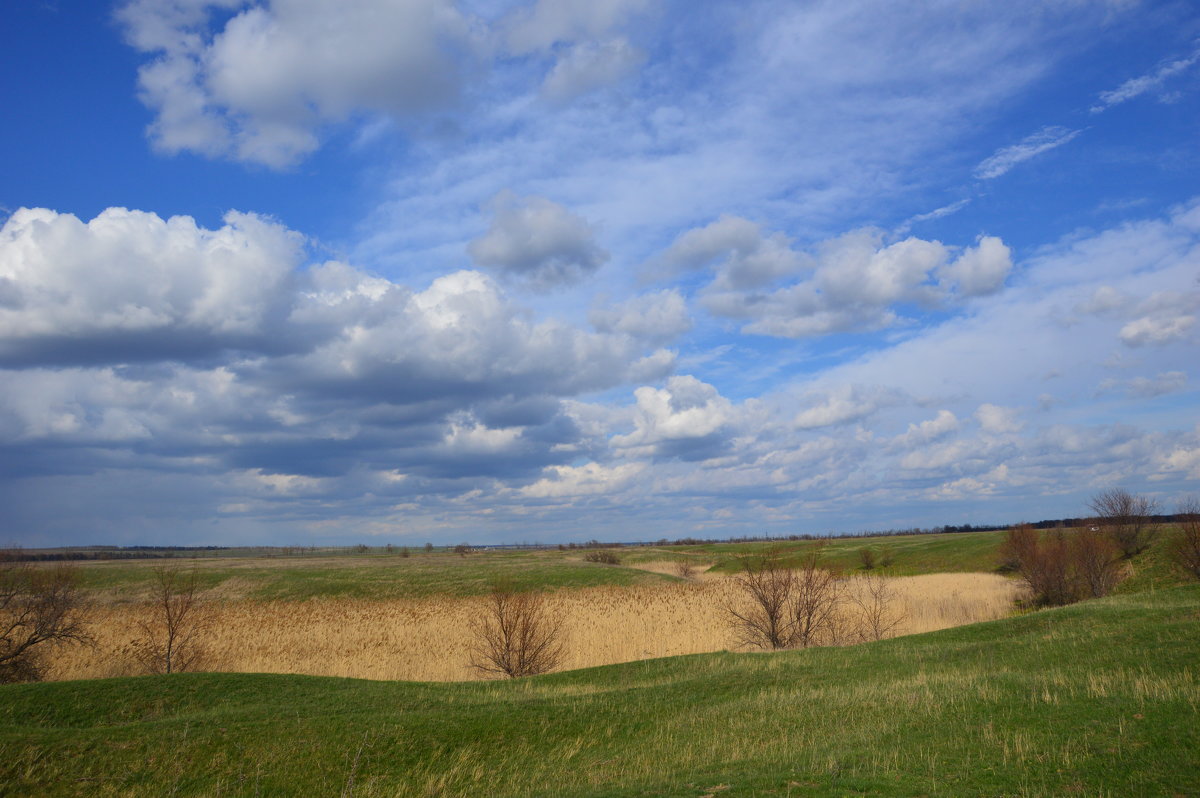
[606, 557]
[685, 569]
[463, 549]
[866, 556]
[876, 602]
[516, 635]
[39, 608]
[1185, 547]
[1060, 568]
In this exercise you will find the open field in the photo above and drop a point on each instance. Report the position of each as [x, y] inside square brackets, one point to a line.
[1101, 698]
[428, 638]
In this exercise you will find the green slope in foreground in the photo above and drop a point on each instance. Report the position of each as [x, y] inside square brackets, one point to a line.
[1101, 698]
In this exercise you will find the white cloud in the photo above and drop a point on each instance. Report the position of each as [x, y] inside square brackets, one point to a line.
[1031, 146]
[687, 418]
[258, 89]
[538, 241]
[1156, 330]
[659, 317]
[857, 281]
[177, 288]
[743, 256]
[1135, 87]
[982, 269]
[841, 406]
[586, 480]
[998, 420]
[944, 424]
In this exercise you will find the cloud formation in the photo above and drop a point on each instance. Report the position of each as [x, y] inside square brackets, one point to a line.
[1033, 145]
[537, 241]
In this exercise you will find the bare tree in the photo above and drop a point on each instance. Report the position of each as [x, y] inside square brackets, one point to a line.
[876, 601]
[170, 639]
[787, 607]
[818, 597]
[767, 620]
[685, 568]
[516, 635]
[39, 608]
[1185, 548]
[1126, 518]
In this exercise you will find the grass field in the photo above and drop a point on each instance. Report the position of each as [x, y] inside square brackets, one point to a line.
[1101, 698]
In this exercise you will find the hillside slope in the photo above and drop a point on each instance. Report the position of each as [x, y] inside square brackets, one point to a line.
[1101, 697]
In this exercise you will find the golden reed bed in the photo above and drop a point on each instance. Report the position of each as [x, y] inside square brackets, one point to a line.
[429, 639]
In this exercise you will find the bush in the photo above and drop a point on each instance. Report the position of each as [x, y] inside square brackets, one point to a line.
[39, 608]
[685, 569]
[516, 635]
[606, 557]
[1062, 568]
[867, 557]
[1185, 547]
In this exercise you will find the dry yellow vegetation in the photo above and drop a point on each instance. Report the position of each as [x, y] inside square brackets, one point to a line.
[427, 639]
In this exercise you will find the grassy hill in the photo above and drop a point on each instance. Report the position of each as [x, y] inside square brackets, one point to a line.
[1101, 698]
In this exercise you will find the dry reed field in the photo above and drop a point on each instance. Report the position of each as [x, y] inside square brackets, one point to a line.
[428, 639]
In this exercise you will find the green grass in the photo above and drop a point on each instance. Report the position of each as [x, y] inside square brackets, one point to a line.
[1101, 698]
[370, 576]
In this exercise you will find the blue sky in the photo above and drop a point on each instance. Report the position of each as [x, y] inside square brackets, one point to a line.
[501, 270]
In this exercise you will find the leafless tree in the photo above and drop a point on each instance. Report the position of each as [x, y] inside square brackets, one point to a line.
[1126, 518]
[517, 635]
[1185, 548]
[786, 607]
[767, 619]
[879, 614]
[39, 608]
[171, 638]
[685, 568]
[818, 597]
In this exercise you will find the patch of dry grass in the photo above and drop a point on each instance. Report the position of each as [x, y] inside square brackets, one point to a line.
[427, 639]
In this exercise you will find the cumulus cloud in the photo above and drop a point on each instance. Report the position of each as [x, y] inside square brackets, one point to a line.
[856, 282]
[257, 80]
[742, 254]
[1156, 330]
[130, 284]
[658, 317]
[258, 89]
[981, 269]
[998, 420]
[944, 424]
[1159, 385]
[537, 241]
[840, 406]
[213, 349]
[687, 419]
[1046, 139]
[586, 480]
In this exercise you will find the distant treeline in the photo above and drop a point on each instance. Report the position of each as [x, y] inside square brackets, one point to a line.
[164, 552]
